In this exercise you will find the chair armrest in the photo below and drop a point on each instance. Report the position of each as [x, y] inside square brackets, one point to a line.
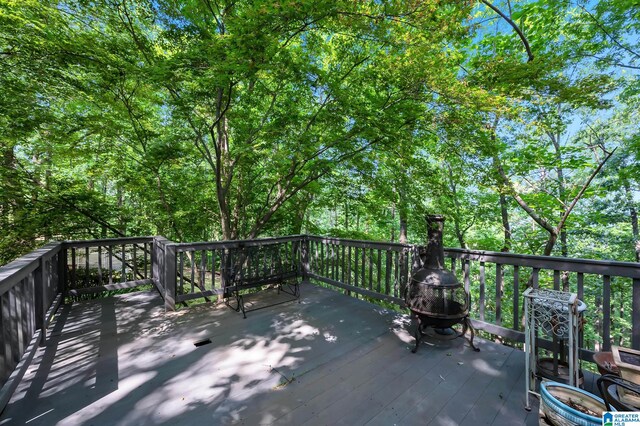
[605, 382]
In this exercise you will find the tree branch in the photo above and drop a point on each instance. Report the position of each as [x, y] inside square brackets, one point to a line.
[535, 216]
[517, 29]
[580, 193]
[604, 30]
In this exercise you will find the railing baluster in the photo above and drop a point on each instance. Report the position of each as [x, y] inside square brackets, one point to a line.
[7, 325]
[364, 263]
[265, 268]
[324, 248]
[19, 311]
[99, 265]
[498, 294]
[355, 268]
[86, 266]
[349, 267]
[181, 273]
[635, 315]
[316, 261]
[215, 262]
[192, 264]
[331, 271]
[203, 270]
[370, 269]
[379, 268]
[123, 278]
[516, 297]
[556, 279]
[580, 279]
[606, 313]
[146, 248]
[336, 261]
[342, 263]
[312, 256]
[110, 250]
[330, 260]
[534, 277]
[135, 262]
[396, 275]
[73, 268]
[387, 277]
[273, 259]
[482, 291]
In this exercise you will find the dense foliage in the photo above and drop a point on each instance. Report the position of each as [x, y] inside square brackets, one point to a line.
[207, 120]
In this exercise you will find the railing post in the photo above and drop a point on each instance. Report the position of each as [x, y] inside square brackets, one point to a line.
[153, 273]
[62, 272]
[170, 277]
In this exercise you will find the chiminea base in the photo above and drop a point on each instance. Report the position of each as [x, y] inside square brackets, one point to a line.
[423, 321]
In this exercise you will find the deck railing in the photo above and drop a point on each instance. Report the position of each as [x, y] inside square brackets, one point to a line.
[95, 266]
[32, 287]
[377, 270]
[496, 281]
[205, 269]
[610, 289]
[30, 292]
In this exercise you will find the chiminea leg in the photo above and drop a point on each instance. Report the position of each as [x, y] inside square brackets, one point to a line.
[418, 332]
[466, 324]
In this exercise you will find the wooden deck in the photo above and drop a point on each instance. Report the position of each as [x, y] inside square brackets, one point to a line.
[330, 359]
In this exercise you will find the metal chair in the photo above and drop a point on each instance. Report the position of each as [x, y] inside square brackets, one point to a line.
[608, 387]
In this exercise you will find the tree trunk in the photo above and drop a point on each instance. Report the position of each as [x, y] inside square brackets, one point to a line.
[633, 212]
[403, 229]
[301, 211]
[393, 223]
[7, 201]
[456, 204]
[402, 213]
[223, 165]
[555, 140]
[346, 214]
[551, 242]
[506, 226]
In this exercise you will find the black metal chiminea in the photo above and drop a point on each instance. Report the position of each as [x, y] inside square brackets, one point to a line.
[434, 295]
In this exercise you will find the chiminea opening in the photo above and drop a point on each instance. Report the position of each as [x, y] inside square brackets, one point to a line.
[434, 295]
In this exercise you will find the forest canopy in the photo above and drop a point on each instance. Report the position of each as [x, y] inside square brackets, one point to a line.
[215, 119]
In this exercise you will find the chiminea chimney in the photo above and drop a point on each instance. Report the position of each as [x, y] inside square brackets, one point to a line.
[434, 256]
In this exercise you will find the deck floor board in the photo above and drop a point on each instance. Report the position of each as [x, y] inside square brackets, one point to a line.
[330, 359]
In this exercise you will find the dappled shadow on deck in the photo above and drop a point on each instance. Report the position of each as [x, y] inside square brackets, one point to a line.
[330, 359]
